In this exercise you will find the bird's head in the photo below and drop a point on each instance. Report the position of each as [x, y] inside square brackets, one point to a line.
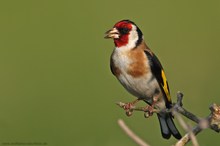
[125, 33]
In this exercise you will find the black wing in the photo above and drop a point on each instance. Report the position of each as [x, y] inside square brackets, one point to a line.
[158, 72]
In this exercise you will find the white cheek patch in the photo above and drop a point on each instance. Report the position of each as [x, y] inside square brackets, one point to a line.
[133, 37]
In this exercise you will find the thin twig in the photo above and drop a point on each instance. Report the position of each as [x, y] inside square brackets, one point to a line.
[131, 134]
[186, 138]
[135, 108]
[193, 137]
[188, 129]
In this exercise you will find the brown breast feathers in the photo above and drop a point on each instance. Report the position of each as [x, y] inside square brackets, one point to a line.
[139, 65]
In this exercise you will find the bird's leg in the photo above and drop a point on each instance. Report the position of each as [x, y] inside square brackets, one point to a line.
[150, 108]
[128, 107]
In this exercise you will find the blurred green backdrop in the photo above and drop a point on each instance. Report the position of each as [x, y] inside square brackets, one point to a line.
[55, 82]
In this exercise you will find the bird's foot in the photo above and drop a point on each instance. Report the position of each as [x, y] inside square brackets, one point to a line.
[129, 107]
[149, 110]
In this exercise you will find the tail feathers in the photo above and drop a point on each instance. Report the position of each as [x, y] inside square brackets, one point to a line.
[173, 128]
[165, 131]
[168, 127]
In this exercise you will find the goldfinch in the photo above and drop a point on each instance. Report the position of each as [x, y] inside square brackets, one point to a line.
[140, 72]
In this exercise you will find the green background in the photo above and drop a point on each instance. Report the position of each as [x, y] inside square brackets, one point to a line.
[55, 82]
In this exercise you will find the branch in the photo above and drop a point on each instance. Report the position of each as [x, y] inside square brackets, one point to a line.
[212, 121]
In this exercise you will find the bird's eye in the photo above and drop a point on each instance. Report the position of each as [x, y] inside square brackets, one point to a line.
[124, 30]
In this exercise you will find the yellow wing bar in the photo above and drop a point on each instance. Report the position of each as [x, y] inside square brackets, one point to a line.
[165, 86]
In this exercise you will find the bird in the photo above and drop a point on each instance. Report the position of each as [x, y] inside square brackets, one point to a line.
[140, 72]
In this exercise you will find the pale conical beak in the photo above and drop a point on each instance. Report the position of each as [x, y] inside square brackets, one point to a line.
[112, 33]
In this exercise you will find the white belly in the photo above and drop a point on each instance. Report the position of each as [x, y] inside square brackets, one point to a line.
[142, 87]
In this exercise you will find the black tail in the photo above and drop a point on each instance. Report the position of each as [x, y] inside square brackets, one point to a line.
[167, 126]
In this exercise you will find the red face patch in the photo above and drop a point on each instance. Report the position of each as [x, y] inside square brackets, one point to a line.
[124, 28]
